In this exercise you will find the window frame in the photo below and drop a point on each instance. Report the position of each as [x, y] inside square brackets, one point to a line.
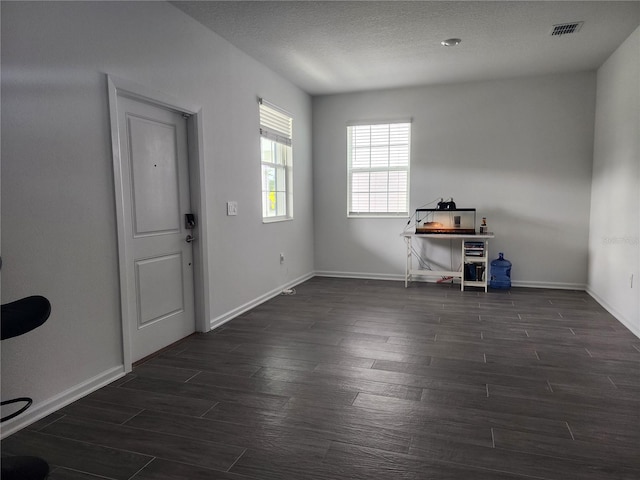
[351, 213]
[276, 128]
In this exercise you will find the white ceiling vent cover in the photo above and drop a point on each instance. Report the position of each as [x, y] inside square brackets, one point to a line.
[566, 28]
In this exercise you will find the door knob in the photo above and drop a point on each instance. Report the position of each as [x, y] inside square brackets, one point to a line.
[190, 238]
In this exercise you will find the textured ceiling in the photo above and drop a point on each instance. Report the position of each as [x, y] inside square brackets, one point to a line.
[328, 47]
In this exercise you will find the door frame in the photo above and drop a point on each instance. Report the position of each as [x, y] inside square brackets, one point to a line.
[197, 185]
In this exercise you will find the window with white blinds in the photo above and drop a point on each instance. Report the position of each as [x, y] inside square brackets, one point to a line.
[276, 162]
[378, 169]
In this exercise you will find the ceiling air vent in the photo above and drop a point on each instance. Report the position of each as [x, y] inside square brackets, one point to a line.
[566, 28]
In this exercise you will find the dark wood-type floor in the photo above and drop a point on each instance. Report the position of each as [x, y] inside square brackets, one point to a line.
[357, 379]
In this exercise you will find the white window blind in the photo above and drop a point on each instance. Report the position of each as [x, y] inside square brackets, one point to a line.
[378, 169]
[276, 135]
[275, 124]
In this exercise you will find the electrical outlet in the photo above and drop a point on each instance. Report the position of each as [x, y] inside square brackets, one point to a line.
[282, 258]
[232, 208]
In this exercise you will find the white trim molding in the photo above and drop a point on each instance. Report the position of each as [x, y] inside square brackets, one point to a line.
[231, 314]
[635, 329]
[400, 277]
[362, 276]
[552, 285]
[51, 405]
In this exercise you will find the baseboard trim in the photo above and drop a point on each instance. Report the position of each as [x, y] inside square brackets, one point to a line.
[552, 285]
[525, 284]
[362, 276]
[41, 410]
[400, 277]
[55, 403]
[618, 316]
[231, 314]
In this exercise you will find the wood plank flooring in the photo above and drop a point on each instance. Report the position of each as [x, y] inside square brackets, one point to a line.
[362, 379]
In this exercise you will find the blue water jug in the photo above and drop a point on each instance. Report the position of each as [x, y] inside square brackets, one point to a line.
[500, 273]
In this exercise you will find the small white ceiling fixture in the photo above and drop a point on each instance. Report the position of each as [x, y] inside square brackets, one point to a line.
[450, 42]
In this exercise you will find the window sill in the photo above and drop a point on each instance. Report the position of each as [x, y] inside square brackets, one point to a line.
[377, 215]
[276, 219]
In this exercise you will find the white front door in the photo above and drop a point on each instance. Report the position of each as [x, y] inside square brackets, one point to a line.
[155, 194]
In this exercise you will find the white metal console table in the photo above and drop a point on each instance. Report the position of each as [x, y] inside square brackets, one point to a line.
[472, 253]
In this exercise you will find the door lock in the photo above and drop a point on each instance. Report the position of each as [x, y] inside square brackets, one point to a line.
[189, 221]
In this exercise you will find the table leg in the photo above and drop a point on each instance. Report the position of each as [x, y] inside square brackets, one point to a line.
[408, 265]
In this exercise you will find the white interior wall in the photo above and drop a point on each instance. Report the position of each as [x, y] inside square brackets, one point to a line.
[518, 150]
[614, 245]
[58, 206]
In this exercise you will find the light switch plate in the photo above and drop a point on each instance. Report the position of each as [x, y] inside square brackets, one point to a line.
[232, 208]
